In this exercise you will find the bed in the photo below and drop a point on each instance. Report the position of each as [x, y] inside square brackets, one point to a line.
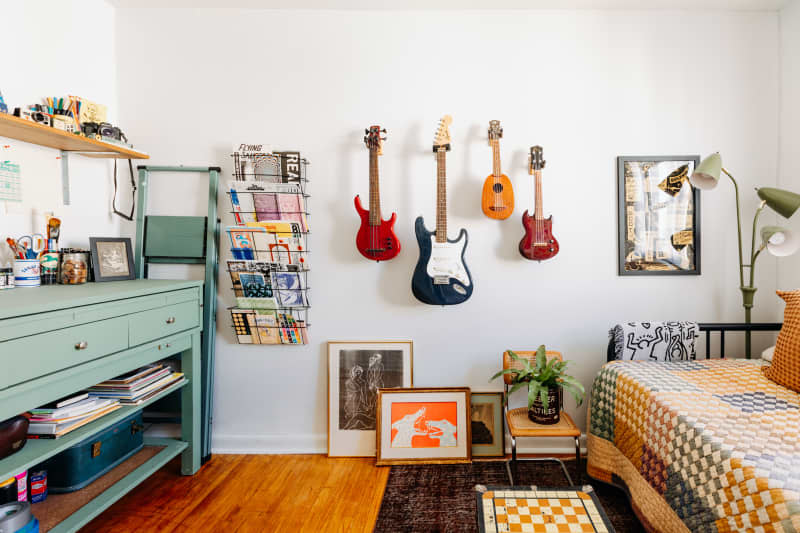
[699, 445]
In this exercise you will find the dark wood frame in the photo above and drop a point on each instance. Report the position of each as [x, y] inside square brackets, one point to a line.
[622, 225]
[502, 453]
[431, 461]
[96, 259]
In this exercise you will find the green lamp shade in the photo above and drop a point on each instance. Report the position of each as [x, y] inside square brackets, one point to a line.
[785, 203]
[706, 175]
[779, 241]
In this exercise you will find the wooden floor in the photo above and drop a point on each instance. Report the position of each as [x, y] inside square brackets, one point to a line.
[259, 493]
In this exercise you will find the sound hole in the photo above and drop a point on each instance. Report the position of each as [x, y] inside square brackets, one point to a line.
[497, 188]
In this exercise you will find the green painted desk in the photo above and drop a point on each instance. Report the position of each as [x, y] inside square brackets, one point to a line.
[56, 340]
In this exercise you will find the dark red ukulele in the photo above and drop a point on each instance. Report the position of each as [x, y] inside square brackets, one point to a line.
[538, 243]
[375, 239]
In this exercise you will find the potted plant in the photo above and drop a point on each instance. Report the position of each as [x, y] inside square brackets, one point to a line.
[546, 381]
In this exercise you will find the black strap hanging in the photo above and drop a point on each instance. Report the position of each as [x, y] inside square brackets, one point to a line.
[133, 192]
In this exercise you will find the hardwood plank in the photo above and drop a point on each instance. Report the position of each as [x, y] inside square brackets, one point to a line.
[244, 493]
[32, 132]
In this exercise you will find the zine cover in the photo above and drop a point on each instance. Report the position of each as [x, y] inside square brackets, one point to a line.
[289, 288]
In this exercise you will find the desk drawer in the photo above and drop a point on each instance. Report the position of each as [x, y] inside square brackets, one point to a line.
[38, 355]
[157, 323]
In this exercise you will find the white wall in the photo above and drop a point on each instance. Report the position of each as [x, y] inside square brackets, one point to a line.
[586, 85]
[788, 163]
[42, 58]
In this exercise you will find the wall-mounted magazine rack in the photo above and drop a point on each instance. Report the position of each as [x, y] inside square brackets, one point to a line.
[269, 244]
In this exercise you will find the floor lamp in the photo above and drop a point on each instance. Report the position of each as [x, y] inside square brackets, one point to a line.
[777, 240]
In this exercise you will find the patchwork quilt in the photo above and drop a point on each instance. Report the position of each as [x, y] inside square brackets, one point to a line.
[716, 439]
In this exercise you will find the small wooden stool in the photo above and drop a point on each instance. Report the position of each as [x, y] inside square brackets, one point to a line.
[519, 425]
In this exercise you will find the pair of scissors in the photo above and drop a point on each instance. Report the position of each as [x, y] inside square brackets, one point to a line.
[32, 244]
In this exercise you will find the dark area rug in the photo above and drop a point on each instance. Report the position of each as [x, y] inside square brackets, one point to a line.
[441, 498]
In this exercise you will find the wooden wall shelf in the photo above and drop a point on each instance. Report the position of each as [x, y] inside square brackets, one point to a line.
[35, 133]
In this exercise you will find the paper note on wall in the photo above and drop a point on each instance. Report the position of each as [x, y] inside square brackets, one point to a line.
[10, 186]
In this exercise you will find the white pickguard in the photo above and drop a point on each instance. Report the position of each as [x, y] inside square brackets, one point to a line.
[445, 262]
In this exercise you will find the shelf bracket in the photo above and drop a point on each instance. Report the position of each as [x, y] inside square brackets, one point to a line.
[65, 176]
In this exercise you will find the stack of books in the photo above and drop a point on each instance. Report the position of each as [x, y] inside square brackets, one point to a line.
[63, 416]
[137, 386]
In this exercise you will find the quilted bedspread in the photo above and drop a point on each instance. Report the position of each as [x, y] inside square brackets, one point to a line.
[718, 440]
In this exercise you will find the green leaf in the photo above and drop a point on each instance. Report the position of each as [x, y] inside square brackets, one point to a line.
[506, 371]
[533, 387]
[569, 380]
[544, 397]
[513, 389]
[541, 357]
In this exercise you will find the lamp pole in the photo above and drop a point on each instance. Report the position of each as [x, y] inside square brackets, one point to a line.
[748, 291]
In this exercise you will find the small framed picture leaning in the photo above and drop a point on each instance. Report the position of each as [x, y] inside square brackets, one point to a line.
[659, 216]
[426, 425]
[112, 258]
[357, 370]
[488, 433]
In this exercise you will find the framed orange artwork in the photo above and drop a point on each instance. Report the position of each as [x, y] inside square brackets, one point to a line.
[423, 426]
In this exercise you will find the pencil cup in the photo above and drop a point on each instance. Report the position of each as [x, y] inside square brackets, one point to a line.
[26, 273]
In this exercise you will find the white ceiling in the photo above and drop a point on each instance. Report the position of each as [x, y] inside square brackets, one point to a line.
[733, 5]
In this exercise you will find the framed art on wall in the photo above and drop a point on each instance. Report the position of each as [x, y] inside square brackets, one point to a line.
[488, 433]
[423, 426]
[356, 372]
[112, 258]
[659, 216]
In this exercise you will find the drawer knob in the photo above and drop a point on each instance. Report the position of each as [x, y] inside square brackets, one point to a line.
[171, 320]
[81, 345]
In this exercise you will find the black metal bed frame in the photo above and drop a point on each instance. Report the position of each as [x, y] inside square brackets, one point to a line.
[724, 327]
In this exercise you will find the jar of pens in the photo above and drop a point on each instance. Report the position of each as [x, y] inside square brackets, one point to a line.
[36, 258]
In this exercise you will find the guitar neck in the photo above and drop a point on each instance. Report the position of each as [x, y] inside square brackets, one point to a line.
[496, 158]
[441, 195]
[537, 174]
[374, 189]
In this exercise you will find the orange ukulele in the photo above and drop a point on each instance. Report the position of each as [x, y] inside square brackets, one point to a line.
[538, 243]
[497, 199]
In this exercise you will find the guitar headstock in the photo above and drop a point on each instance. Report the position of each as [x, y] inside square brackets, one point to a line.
[495, 131]
[373, 138]
[536, 159]
[442, 137]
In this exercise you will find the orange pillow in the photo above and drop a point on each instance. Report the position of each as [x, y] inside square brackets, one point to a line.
[785, 367]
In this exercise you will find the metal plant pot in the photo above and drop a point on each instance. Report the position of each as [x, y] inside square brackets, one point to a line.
[552, 415]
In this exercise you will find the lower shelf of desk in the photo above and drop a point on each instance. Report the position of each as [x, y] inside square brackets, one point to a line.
[62, 513]
[37, 450]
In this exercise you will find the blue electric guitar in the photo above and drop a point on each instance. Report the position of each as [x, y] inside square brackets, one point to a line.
[441, 276]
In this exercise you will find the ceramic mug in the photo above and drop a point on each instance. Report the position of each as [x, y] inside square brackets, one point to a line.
[26, 273]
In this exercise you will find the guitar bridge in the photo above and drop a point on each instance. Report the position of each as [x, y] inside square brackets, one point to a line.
[441, 280]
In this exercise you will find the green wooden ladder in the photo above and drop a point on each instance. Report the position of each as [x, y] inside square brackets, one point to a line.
[191, 241]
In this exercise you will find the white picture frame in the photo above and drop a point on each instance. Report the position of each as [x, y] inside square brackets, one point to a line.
[353, 392]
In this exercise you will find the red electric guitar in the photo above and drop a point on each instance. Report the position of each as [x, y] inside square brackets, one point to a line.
[375, 239]
[538, 243]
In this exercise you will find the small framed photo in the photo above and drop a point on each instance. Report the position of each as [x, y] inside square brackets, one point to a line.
[659, 216]
[112, 258]
[356, 372]
[423, 426]
[488, 431]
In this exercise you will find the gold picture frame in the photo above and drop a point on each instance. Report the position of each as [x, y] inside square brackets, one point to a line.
[353, 383]
[432, 426]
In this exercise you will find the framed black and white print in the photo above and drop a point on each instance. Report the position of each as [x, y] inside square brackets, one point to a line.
[659, 216]
[356, 370]
[112, 258]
